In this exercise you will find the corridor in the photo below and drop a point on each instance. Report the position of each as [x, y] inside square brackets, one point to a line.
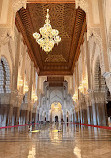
[71, 141]
[55, 72]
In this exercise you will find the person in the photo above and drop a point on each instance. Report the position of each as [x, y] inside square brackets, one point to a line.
[30, 128]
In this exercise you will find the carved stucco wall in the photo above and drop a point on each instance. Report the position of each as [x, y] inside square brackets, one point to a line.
[95, 95]
[20, 66]
[51, 95]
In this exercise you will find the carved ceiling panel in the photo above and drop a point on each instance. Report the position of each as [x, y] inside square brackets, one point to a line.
[63, 17]
[55, 58]
[55, 81]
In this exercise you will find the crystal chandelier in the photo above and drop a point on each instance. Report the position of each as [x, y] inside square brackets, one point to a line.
[49, 36]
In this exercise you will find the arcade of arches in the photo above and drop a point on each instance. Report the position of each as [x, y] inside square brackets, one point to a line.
[72, 83]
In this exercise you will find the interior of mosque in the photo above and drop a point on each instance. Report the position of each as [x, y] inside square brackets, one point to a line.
[72, 83]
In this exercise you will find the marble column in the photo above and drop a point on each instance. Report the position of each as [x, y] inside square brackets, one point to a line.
[40, 116]
[49, 116]
[17, 115]
[94, 114]
[89, 115]
[81, 115]
[64, 117]
[101, 115]
[34, 117]
[10, 114]
[30, 116]
[85, 116]
[6, 113]
[76, 116]
[15, 69]
[27, 117]
[72, 117]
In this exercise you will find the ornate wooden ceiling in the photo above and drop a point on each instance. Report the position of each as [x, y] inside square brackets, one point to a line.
[55, 81]
[71, 24]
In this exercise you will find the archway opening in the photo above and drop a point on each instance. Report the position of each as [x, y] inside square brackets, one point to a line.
[56, 112]
[56, 118]
[67, 116]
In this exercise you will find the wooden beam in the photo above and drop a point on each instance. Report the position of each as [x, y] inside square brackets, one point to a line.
[36, 50]
[50, 1]
[53, 73]
[84, 28]
[72, 42]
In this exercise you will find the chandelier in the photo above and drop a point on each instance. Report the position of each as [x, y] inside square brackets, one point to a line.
[48, 36]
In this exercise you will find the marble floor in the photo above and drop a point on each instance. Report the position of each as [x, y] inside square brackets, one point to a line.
[70, 141]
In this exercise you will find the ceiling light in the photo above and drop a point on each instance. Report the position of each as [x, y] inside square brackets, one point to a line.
[48, 36]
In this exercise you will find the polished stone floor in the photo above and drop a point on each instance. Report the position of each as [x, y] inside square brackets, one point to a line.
[70, 141]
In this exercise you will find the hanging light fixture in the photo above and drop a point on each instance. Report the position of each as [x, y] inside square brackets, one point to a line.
[75, 97]
[34, 96]
[20, 81]
[49, 36]
[26, 88]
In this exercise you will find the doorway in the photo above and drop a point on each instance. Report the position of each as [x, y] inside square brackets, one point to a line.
[56, 111]
[56, 118]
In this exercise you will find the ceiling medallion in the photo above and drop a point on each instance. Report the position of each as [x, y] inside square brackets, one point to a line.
[49, 36]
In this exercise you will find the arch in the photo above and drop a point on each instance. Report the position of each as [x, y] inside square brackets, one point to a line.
[56, 96]
[56, 111]
[56, 118]
[56, 99]
[56, 92]
[4, 76]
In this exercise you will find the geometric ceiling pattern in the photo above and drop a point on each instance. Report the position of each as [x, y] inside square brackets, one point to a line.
[55, 81]
[71, 24]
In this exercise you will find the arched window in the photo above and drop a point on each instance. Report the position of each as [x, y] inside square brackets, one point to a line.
[4, 76]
